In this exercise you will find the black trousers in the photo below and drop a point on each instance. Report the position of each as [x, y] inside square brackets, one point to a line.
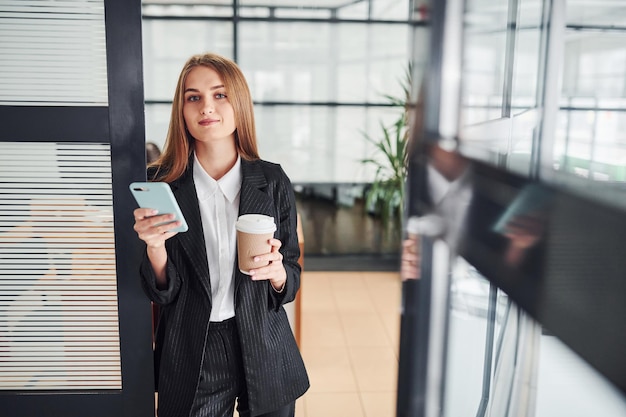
[222, 377]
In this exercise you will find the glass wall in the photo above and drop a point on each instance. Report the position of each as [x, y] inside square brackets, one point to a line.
[581, 89]
[501, 362]
[320, 74]
[526, 193]
[503, 66]
[590, 140]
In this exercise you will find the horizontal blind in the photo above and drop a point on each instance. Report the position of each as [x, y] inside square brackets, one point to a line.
[58, 294]
[53, 53]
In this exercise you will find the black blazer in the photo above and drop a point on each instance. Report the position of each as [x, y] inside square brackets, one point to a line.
[274, 370]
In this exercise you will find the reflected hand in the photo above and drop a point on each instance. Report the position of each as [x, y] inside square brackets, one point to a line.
[411, 258]
[524, 231]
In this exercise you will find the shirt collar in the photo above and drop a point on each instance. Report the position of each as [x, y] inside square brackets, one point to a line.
[229, 184]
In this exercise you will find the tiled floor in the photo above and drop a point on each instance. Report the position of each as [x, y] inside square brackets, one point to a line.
[349, 340]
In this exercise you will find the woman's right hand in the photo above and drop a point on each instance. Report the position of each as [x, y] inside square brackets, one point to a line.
[146, 221]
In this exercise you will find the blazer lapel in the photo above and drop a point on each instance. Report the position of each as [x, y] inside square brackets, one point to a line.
[192, 240]
[253, 199]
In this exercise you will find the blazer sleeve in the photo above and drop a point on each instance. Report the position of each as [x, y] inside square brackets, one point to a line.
[148, 282]
[148, 277]
[287, 233]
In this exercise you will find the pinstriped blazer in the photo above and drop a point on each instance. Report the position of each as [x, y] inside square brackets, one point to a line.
[274, 369]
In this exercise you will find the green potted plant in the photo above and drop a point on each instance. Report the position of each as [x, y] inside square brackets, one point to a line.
[385, 196]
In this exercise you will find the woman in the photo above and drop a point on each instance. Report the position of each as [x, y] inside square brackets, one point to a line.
[222, 335]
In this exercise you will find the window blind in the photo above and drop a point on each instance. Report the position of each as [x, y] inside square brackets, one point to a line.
[58, 297]
[53, 52]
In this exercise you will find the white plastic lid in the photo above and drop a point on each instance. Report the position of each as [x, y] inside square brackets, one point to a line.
[255, 223]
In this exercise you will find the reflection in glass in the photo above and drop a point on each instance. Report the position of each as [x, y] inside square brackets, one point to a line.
[473, 321]
[502, 63]
[526, 362]
[527, 56]
[601, 13]
[484, 61]
[568, 386]
[589, 142]
[594, 64]
[523, 133]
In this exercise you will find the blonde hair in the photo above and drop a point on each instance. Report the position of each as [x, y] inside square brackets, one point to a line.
[179, 143]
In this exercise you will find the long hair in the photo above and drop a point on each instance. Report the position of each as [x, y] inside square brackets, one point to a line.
[179, 144]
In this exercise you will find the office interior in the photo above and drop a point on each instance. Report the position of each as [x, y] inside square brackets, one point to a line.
[525, 98]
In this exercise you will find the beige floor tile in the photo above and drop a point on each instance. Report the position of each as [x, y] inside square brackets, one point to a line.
[364, 329]
[346, 280]
[332, 404]
[391, 322]
[301, 407]
[316, 294]
[375, 368]
[316, 278]
[379, 404]
[322, 329]
[329, 369]
[350, 335]
[355, 300]
[386, 296]
[381, 277]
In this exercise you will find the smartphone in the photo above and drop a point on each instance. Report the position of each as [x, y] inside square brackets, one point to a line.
[159, 196]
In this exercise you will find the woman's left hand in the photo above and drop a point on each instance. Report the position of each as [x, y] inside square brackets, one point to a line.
[275, 271]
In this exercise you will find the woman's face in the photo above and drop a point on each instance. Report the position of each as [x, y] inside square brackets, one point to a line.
[208, 114]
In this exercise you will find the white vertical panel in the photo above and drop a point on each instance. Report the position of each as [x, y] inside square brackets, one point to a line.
[53, 52]
[58, 295]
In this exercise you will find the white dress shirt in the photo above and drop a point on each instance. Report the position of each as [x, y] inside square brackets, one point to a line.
[219, 208]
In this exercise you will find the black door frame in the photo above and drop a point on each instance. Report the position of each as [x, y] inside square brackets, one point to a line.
[121, 124]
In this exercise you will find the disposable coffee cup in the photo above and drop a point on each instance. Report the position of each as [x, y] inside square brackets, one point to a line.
[253, 234]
